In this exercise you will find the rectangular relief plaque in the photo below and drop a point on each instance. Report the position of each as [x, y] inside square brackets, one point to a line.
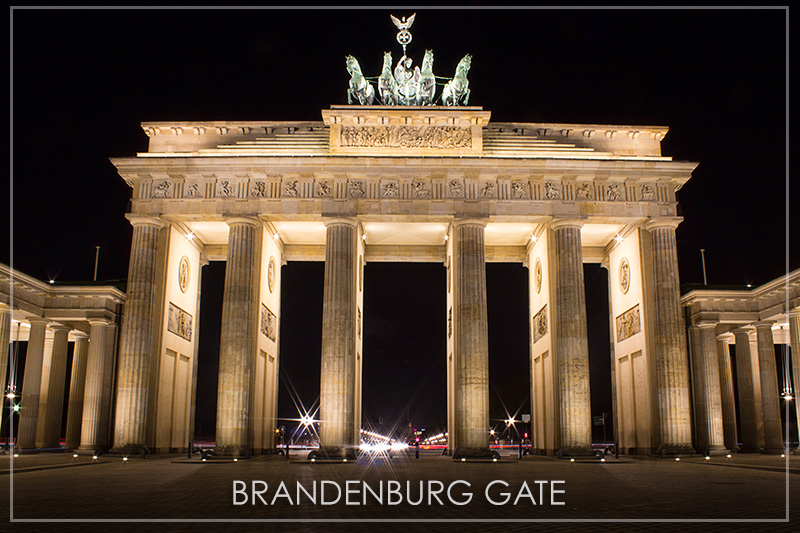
[628, 324]
[540, 324]
[179, 322]
[269, 323]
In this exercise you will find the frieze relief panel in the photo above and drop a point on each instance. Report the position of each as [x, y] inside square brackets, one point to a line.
[628, 323]
[179, 322]
[269, 323]
[436, 137]
[540, 324]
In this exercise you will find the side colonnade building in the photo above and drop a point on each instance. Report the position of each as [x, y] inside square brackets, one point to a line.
[50, 318]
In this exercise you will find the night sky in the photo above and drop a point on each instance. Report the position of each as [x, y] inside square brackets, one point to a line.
[83, 80]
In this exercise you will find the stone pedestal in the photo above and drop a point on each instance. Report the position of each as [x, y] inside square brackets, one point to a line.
[471, 339]
[770, 399]
[76, 390]
[707, 397]
[31, 386]
[237, 337]
[571, 341]
[726, 392]
[136, 342]
[671, 362]
[747, 402]
[90, 438]
[337, 378]
[51, 411]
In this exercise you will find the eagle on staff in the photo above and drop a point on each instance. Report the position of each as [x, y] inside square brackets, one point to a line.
[403, 36]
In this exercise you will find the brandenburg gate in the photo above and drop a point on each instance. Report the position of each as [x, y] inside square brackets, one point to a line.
[402, 183]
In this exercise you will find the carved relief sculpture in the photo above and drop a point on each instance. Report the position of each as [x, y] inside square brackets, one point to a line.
[628, 324]
[420, 190]
[648, 194]
[271, 275]
[389, 190]
[537, 276]
[290, 189]
[518, 190]
[183, 274]
[443, 137]
[487, 191]
[161, 190]
[259, 189]
[179, 322]
[269, 323]
[225, 189]
[323, 189]
[540, 324]
[613, 193]
[192, 191]
[455, 188]
[551, 192]
[585, 192]
[356, 189]
[624, 275]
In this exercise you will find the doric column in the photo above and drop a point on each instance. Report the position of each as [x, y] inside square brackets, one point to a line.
[571, 339]
[93, 389]
[31, 385]
[747, 401]
[51, 411]
[5, 338]
[77, 384]
[471, 338]
[707, 396]
[237, 337]
[671, 362]
[107, 400]
[794, 339]
[726, 392]
[136, 342]
[337, 378]
[770, 399]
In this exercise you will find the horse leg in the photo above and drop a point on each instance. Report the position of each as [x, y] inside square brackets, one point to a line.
[466, 96]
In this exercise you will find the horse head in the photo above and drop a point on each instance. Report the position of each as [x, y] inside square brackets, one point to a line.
[465, 63]
[352, 65]
[427, 61]
[387, 61]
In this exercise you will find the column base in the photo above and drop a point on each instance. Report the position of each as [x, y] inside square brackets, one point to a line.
[578, 452]
[715, 450]
[239, 452]
[334, 454]
[131, 450]
[89, 451]
[775, 450]
[749, 449]
[472, 454]
[675, 450]
[796, 451]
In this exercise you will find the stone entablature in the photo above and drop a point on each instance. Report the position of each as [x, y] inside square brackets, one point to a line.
[767, 302]
[72, 305]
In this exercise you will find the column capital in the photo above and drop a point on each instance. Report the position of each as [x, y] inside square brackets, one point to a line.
[558, 223]
[725, 337]
[469, 221]
[340, 221]
[38, 320]
[98, 322]
[705, 324]
[4, 307]
[744, 330]
[794, 313]
[251, 221]
[666, 222]
[144, 220]
[79, 335]
[763, 324]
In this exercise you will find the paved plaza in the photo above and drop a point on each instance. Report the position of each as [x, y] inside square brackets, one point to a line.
[748, 492]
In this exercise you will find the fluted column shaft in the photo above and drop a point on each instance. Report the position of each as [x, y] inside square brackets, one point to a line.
[571, 339]
[5, 338]
[471, 335]
[707, 396]
[671, 362]
[31, 386]
[726, 392]
[77, 387]
[237, 337]
[51, 411]
[337, 379]
[770, 399]
[93, 388]
[794, 339]
[747, 401]
[136, 343]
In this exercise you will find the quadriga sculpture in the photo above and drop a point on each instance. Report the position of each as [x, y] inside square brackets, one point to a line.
[458, 87]
[360, 89]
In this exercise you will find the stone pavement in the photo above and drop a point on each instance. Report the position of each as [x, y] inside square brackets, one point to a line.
[744, 493]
